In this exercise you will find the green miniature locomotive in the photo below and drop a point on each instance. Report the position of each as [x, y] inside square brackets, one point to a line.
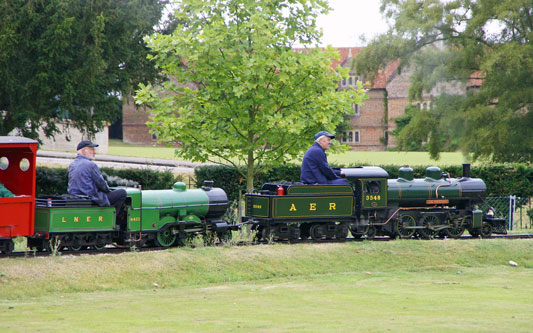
[373, 205]
[160, 217]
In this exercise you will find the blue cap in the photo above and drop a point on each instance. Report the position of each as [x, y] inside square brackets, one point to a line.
[319, 134]
[86, 143]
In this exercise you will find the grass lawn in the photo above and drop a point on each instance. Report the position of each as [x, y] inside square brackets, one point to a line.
[447, 286]
[349, 158]
[466, 300]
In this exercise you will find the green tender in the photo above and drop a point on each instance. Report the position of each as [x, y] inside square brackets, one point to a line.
[74, 219]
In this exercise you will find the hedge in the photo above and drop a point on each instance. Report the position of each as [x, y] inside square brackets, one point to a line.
[501, 180]
[55, 180]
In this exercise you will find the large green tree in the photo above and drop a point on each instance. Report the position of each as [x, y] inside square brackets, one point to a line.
[485, 43]
[71, 59]
[237, 91]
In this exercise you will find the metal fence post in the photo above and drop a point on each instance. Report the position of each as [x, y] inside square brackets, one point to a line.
[512, 199]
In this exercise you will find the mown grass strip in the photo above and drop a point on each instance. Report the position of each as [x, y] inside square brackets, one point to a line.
[28, 277]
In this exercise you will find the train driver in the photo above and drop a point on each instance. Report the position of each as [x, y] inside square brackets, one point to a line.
[315, 167]
[85, 178]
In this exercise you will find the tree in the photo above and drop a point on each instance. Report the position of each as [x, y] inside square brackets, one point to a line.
[71, 59]
[237, 92]
[464, 41]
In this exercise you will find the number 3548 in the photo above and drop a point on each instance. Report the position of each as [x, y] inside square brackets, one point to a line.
[373, 197]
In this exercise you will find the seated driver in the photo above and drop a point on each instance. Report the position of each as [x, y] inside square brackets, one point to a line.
[85, 178]
[315, 167]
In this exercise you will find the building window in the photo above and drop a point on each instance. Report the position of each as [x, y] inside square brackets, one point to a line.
[350, 136]
[357, 137]
[355, 108]
[425, 106]
[343, 82]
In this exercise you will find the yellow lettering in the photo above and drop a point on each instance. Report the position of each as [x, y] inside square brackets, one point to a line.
[257, 206]
[293, 208]
[88, 219]
[63, 220]
[100, 219]
[312, 206]
[76, 219]
[332, 206]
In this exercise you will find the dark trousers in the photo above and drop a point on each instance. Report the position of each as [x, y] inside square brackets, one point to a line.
[116, 199]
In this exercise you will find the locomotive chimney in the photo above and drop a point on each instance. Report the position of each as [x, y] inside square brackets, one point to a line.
[466, 170]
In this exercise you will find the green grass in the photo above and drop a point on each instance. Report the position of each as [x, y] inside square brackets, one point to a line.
[349, 158]
[472, 300]
[366, 286]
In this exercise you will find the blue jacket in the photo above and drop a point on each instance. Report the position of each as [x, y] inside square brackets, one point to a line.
[85, 178]
[315, 167]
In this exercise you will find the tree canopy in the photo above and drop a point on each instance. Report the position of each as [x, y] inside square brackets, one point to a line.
[71, 59]
[485, 45]
[237, 91]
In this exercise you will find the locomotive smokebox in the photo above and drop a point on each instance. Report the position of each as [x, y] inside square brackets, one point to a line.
[218, 202]
[466, 170]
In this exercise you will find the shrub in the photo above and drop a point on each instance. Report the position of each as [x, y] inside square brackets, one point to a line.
[501, 180]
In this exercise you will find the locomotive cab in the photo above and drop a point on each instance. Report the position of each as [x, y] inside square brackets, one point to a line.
[370, 187]
[17, 176]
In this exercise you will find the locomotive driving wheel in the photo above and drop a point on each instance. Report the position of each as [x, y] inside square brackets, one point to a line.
[454, 232]
[428, 222]
[403, 224]
[165, 238]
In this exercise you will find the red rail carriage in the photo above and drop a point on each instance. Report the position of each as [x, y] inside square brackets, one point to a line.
[17, 175]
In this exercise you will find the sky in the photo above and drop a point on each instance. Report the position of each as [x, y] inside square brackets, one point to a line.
[348, 20]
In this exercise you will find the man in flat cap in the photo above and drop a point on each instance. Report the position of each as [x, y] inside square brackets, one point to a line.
[85, 178]
[315, 167]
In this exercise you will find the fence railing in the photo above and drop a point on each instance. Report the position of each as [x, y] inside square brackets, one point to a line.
[513, 209]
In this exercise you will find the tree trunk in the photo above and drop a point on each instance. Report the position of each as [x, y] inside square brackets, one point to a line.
[250, 171]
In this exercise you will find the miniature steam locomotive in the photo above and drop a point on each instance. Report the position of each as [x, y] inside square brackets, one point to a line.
[374, 205]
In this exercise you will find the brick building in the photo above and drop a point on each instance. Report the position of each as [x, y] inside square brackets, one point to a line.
[370, 123]
[134, 129]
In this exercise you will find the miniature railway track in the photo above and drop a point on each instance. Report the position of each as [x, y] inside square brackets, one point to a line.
[119, 250]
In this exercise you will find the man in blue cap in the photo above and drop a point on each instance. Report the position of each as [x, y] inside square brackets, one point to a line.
[315, 167]
[85, 178]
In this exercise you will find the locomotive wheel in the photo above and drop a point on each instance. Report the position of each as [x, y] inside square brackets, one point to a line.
[316, 232]
[454, 232]
[99, 247]
[342, 231]
[486, 230]
[304, 230]
[371, 233]
[165, 238]
[401, 226]
[8, 247]
[474, 232]
[357, 234]
[76, 248]
[427, 222]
